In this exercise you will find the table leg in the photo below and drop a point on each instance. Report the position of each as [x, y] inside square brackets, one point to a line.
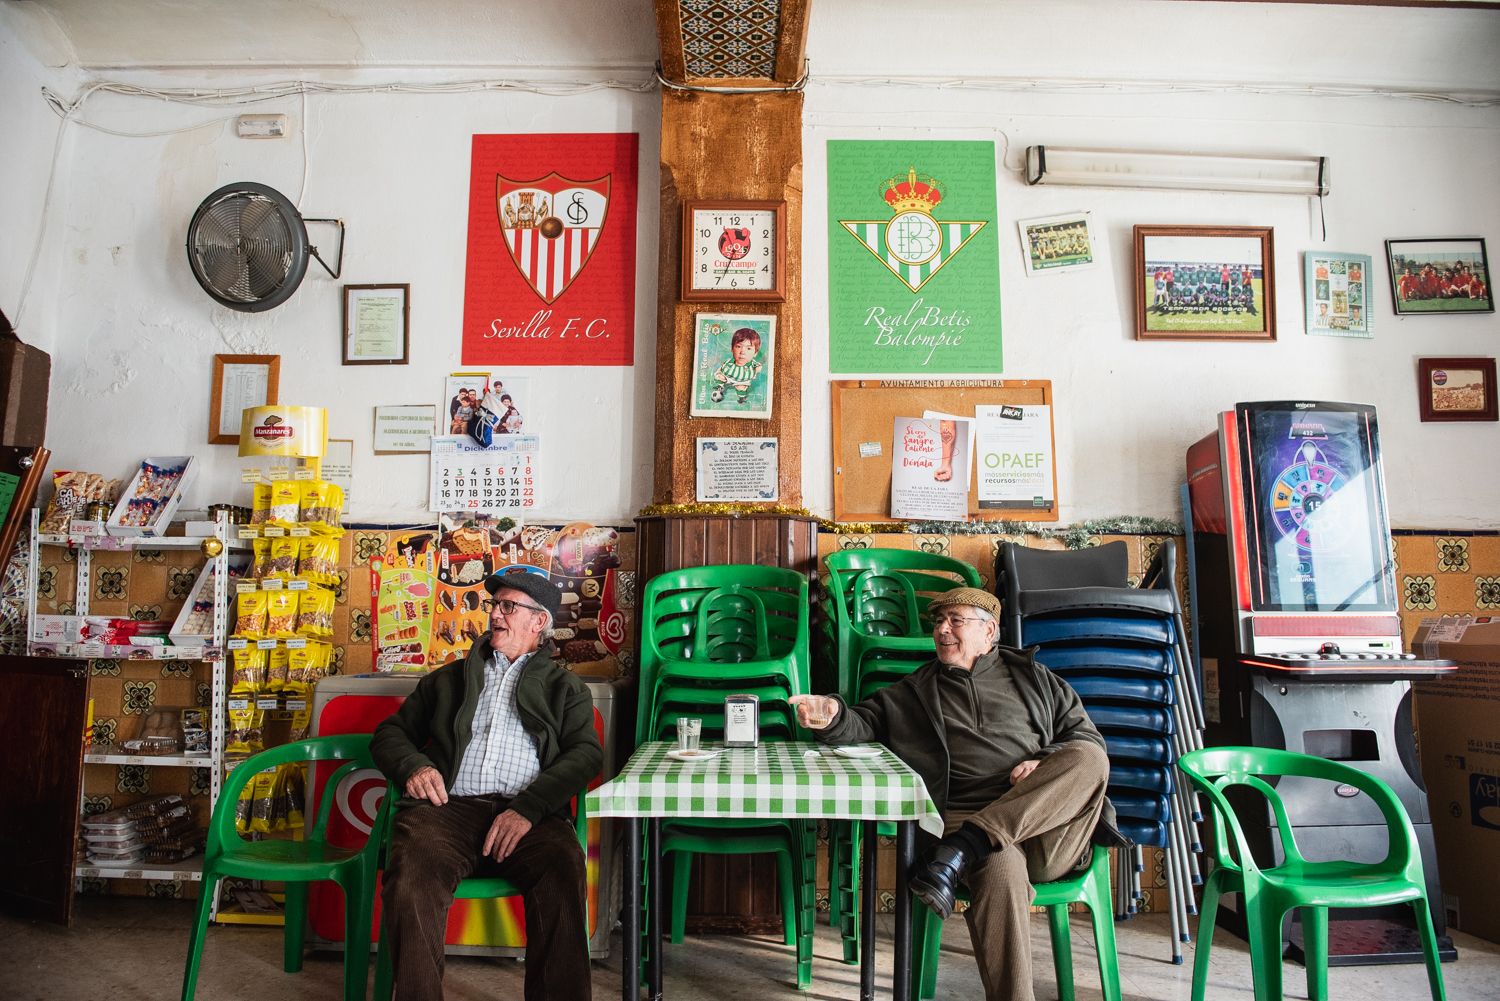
[653, 920]
[630, 959]
[867, 899]
[906, 857]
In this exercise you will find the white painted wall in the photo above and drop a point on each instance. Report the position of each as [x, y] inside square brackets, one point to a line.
[135, 334]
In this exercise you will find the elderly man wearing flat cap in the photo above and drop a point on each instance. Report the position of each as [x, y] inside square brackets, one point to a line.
[1012, 762]
[489, 751]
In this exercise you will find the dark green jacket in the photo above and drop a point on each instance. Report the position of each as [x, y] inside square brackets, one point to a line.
[906, 718]
[434, 724]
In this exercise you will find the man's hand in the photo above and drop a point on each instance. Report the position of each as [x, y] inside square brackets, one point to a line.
[815, 712]
[1022, 770]
[506, 832]
[426, 783]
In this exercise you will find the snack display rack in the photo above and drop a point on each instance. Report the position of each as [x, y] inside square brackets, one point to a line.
[60, 636]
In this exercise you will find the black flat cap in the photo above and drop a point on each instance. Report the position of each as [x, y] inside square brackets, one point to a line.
[533, 585]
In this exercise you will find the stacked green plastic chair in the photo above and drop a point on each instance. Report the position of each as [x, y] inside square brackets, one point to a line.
[1271, 892]
[708, 632]
[882, 632]
[297, 863]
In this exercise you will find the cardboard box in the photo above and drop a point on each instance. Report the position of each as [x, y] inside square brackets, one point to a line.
[1458, 724]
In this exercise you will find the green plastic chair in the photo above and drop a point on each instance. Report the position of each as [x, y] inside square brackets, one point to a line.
[1269, 893]
[297, 863]
[479, 888]
[1089, 887]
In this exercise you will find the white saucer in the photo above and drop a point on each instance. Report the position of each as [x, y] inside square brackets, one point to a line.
[702, 754]
[859, 751]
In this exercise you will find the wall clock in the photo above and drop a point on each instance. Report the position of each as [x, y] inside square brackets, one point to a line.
[733, 251]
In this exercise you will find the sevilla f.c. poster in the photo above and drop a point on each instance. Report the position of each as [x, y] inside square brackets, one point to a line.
[550, 278]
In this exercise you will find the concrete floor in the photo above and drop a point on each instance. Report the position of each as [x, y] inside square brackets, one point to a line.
[123, 949]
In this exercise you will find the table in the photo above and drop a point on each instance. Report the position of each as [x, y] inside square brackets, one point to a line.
[791, 780]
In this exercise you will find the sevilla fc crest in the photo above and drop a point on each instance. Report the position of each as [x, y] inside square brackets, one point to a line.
[735, 243]
[551, 226]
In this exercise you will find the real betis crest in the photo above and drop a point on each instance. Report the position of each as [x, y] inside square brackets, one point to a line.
[913, 244]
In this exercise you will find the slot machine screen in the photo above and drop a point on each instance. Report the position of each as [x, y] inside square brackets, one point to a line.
[1318, 535]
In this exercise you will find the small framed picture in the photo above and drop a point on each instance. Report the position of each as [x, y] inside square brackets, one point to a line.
[239, 383]
[1456, 389]
[1450, 275]
[733, 251]
[1213, 283]
[377, 324]
[1053, 244]
[1337, 293]
[734, 364]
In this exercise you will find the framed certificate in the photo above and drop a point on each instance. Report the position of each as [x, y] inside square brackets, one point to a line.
[377, 324]
[733, 251]
[239, 382]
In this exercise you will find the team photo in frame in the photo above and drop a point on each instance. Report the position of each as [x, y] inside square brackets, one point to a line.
[1440, 276]
[1053, 244]
[1205, 283]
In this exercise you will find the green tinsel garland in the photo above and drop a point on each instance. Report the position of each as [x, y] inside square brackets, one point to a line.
[1074, 536]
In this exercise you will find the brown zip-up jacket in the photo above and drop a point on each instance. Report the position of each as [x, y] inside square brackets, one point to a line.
[905, 717]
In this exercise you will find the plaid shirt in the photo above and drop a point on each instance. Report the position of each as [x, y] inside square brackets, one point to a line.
[501, 757]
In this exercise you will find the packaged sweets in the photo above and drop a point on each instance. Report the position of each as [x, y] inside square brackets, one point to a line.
[286, 503]
[71, 494]
[245, 727]
[282, 564]
[260, 506]
[250, 620]
[249, 677]
[299, 675]
[262, 560]
[281, 614]
[195, 731]
[318, 560]
[315, 613]
[242, 807]
[276, 667]
[321, 503]
[262, 799]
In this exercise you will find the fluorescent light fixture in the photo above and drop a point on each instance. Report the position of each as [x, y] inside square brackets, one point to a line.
[1119, 168]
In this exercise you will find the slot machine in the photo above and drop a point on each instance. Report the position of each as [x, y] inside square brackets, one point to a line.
[1300, 639]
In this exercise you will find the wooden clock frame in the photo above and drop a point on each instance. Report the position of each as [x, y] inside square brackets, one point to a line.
[777, 293]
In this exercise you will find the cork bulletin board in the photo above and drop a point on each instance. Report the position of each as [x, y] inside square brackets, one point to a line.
[863, 413]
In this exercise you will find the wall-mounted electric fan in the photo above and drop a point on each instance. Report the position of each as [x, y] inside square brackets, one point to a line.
[248, 247]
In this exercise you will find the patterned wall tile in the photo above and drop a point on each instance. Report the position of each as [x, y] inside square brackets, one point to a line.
[1487, 592]
[1418, 592]
[1452, 555]
[729, 38]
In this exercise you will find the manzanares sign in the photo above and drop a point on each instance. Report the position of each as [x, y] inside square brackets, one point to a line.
[913, 258]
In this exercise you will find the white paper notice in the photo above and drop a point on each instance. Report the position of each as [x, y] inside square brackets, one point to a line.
[1014, 452]
[738, 469]
[930, 469]
[338, 467]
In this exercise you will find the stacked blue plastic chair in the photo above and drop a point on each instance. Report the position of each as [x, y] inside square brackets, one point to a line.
[1123, 650]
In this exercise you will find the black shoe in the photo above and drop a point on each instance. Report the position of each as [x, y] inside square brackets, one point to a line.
[935, 882]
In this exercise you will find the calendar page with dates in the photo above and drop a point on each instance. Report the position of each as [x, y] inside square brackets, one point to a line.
[467, 476]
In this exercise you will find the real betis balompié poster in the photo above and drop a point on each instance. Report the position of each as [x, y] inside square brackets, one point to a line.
[913, 258]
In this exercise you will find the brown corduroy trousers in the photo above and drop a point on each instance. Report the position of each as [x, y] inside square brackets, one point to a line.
[434, 847]
[1040, 830]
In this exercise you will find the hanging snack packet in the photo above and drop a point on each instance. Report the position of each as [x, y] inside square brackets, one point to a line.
[262, 560]
[276, 668]
[281, 614]
[283, 562]
[315, 613]
[261, 801]
[299, 680]
[249, 676]
[250, 622]
[301, 722]
[319, 560]
[244, 732]
[286, 503]
[260, 504]
[321, 502]
[294, 792]
[242, 807]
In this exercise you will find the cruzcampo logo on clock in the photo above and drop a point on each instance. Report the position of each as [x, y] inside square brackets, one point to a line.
[913, 243]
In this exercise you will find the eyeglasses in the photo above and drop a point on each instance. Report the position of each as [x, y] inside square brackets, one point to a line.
[508, 607]
[953, 621]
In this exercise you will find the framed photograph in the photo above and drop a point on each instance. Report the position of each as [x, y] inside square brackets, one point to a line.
[1052, 244]
[1456, 389]
[1214, 283]
[239, 382]
[733, 251]
[734, 363]
[1337, 293]
[377, 324]
[1450, 275]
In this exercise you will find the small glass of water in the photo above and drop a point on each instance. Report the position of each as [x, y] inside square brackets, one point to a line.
[818, 712]
[689, 734]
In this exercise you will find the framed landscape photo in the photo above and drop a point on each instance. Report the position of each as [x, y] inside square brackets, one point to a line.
[1337, 291]
[1456, 389]
[734, 359]
[1447, 275]
[1051, 244]
[1213, 283]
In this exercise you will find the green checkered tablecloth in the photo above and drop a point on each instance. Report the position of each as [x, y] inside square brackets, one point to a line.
[795, 779]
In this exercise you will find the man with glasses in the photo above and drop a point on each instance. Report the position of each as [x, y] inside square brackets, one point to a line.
[490, 751]
[1012, 763]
